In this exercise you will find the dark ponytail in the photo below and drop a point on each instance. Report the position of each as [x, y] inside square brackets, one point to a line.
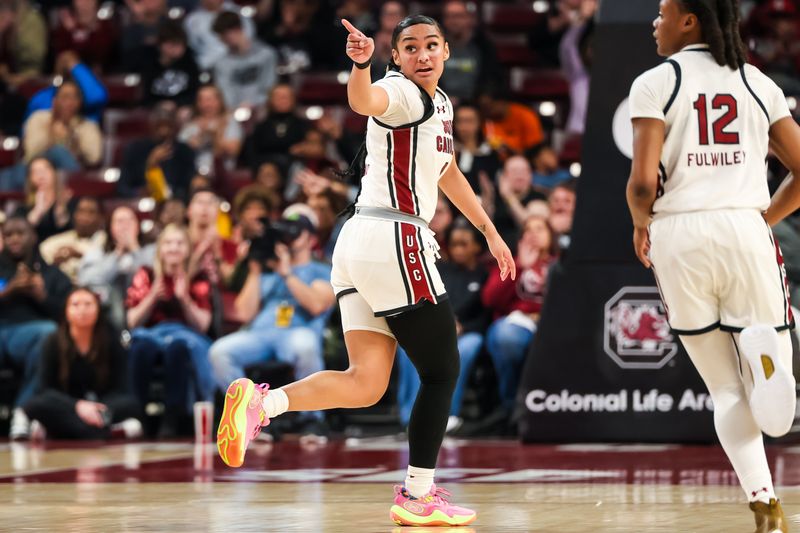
[411, 20]
[719, 20]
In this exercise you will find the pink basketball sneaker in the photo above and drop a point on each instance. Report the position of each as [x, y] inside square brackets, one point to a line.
[432, 510]
[242, 419]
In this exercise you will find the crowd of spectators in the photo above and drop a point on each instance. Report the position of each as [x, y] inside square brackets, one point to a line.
[210, 252]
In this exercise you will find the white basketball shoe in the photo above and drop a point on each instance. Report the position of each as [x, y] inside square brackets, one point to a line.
[774, 396]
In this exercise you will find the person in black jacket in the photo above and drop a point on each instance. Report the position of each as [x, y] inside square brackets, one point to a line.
[463, 276]
[169, 72]
[283, 128]
[157, 160]
[83, 387]
[32, 295]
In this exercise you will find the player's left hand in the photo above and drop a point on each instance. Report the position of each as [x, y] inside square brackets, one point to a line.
[499, 249]
[641, 244]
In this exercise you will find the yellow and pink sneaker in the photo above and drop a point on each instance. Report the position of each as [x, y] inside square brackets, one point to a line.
[242, 419]
[432, 510]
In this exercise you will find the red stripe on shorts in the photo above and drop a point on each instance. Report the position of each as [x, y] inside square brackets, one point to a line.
[788, 303]
[412, 257]
[401, 139]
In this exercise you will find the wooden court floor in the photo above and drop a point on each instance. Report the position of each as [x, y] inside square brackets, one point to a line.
[347, 487]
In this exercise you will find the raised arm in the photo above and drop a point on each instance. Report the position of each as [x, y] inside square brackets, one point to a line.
[363, 97]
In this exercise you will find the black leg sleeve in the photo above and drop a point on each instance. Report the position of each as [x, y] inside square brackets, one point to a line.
[56, 412]
[428, 335]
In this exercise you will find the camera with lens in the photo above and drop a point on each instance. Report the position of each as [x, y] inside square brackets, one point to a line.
[262, 248]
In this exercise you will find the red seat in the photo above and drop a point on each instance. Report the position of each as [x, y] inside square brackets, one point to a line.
[233, 181]
[571, 151]
[32, 86]
[7, 157]
[510, 17]
[124, 90]
[127, 122]
[355, 122]
[91, 183]
[539, 84]
[321, 89]
[515, 53]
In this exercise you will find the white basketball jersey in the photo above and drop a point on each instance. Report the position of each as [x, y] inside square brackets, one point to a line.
[717, 131]
[406, 157]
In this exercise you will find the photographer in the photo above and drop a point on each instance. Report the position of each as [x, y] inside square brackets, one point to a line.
[287, 304]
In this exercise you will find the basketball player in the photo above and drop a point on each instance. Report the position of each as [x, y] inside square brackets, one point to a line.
[703, 122]
[384, 275]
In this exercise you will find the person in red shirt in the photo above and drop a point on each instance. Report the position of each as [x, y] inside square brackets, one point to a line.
[516, 306]
[169, 314]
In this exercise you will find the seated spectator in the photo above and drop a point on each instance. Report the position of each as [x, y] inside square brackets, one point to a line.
[343, 142]
[203, 40]
[172, 211]
[169, 71]
[270, 178]
[68, 139]
[252, 205]
[83, 32]
[23, 33]
[303, 33]
[213, 133]
[358, 12]
[514, 192]
[65, 250]
[160, 164]
[463, 276]
[31, 302]
[94, 95]
[287, 307]
[562, 209]
[516, 306]
[473, 153]
[83, 388]
[440, 222]
[248, 70]
[212, 255]
[273, 138]
[547, 173]
[140, 34]
[473, 58]
[510, 128]
[390, 16]
[48, 205]
[327, 204]
[108, 270]
[169, 314]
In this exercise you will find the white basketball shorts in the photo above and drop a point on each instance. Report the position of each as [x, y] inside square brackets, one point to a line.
[719, 269]
[389, 263]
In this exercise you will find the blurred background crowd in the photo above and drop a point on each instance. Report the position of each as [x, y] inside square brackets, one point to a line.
[165, 164]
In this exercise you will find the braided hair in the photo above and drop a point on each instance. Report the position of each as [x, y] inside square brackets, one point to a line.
[719, 20]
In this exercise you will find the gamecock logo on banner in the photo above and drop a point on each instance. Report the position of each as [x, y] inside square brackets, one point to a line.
[636, 333]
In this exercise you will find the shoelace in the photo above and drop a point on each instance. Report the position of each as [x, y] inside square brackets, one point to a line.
[263, 390]
[439, 496]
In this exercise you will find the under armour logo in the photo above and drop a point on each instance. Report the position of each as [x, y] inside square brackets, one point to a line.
[441, 109]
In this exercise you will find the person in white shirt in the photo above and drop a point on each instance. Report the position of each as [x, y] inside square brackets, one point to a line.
[703, 123]
[208, 48]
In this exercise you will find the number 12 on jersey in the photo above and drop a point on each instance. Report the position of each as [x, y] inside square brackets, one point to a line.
[720, 101]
